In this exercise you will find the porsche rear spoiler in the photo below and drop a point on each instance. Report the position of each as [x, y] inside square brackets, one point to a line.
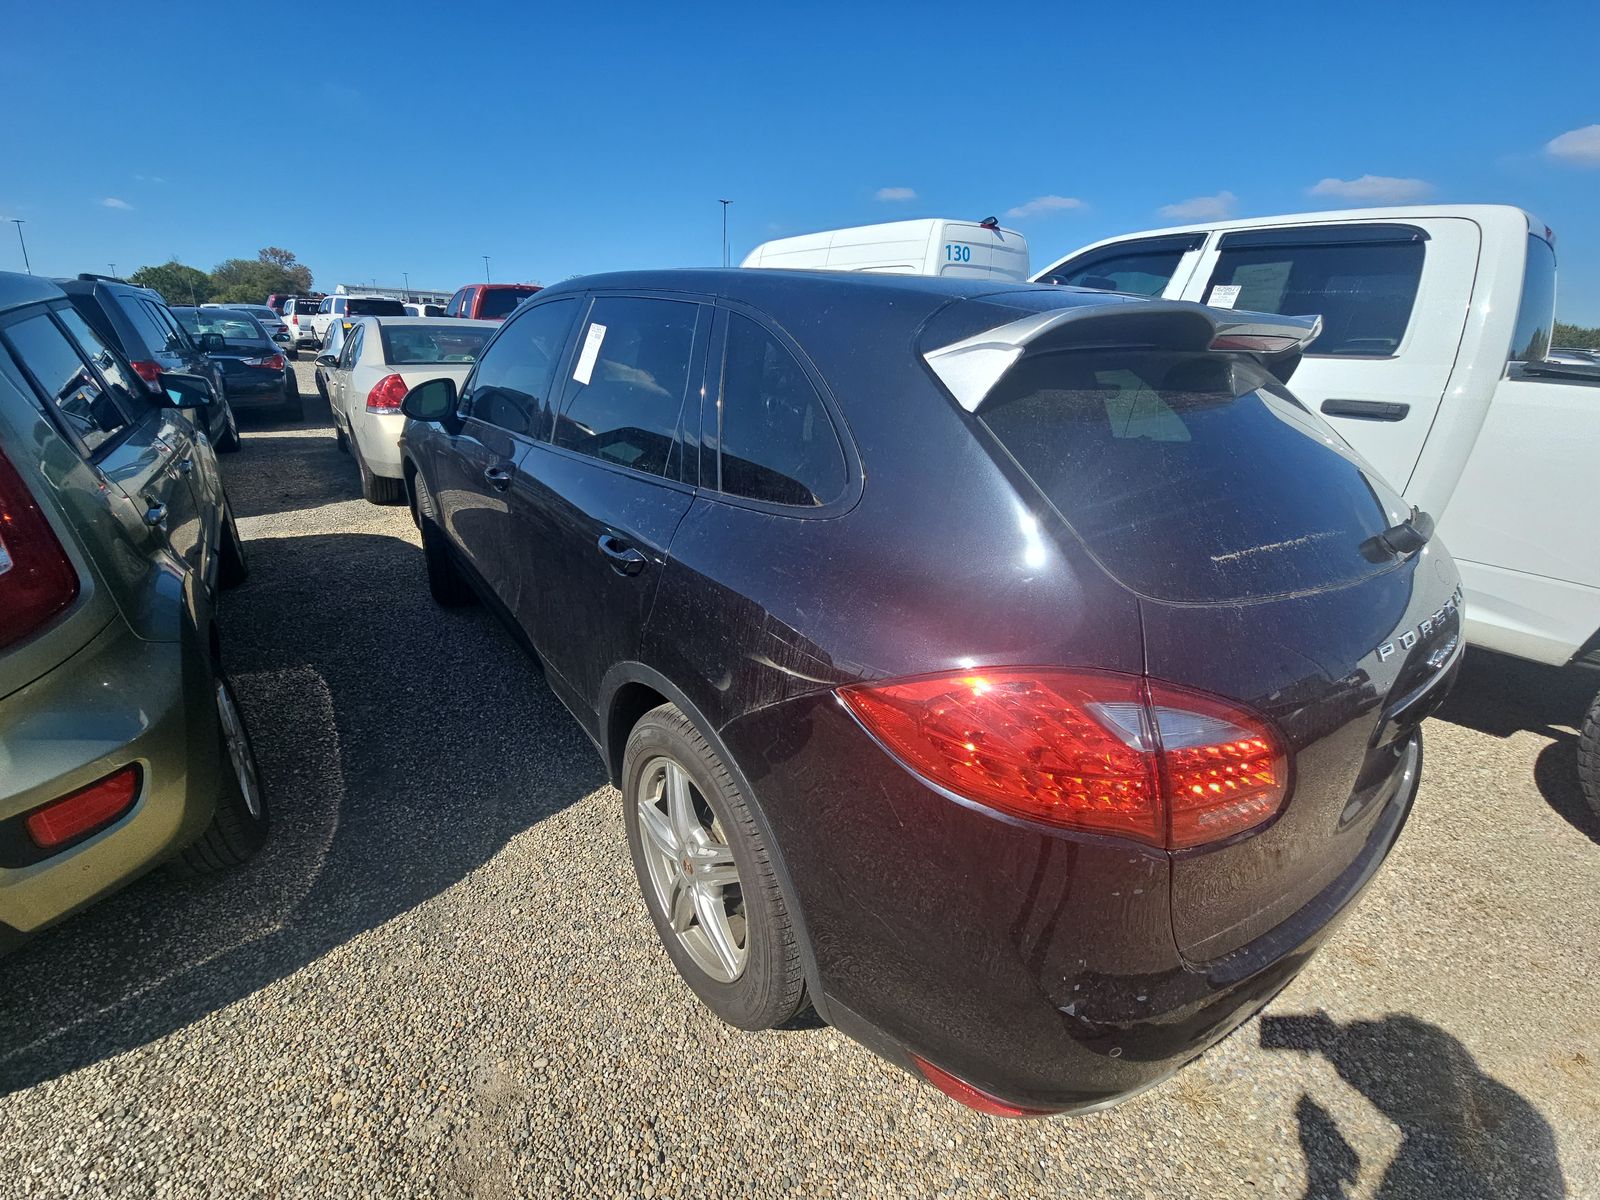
[971, 367]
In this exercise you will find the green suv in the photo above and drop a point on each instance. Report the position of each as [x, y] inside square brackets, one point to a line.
[121, 744]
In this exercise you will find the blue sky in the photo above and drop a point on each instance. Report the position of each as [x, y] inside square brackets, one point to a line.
[563, 139]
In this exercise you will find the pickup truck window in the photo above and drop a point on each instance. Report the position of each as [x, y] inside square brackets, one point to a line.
[1142, 267]
[1363, 290]
[1536, 311]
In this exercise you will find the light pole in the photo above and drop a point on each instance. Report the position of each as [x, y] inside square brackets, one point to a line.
[725, 204]
[407, 275]
[113, 267]
[486, 278]
[17, 221]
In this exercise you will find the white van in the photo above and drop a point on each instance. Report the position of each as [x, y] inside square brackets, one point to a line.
[1434, 364]
[960, 249]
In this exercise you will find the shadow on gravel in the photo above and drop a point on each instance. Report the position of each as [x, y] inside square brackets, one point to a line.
[290, 472]
[1501, 696]
[401, 745]
[1462, 1134]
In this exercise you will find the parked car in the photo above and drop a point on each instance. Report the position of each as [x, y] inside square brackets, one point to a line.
[488, 301]
[327, 356]
[122, 741]
[257, 371]
[299, 315]
[963, 249]
[270, 321]
[345, 309]
[140, 326]
[1037, 772]
[1434, 364]
[425, 310]
[375, 365]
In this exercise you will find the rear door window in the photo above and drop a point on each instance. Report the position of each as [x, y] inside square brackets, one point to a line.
[156, 338]
[1143, 268]
[177, 341]
[626, 388]
[777, 442]
[1361, 279]
[1536, 311]
[67, 381]
[512, 385]
[1192, 479]
[376, 306]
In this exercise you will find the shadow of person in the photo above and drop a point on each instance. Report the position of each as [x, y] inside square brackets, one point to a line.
[1462, 1134]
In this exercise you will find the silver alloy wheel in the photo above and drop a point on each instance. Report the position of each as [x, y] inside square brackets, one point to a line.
[244, 766]
[692, 870]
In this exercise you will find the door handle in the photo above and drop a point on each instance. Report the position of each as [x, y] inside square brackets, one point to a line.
[156, 515]
[498, 476]
[1366, 410]
[186, 465]
[624, 559]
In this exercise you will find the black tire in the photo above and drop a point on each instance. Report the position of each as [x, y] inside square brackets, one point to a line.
[448, 586]
[1589, 755]
[233, 566]
[322, 386]
[228, 440]
[239, 827]
[377, 489]
[341, 443]
[769, 988]
[292, 408]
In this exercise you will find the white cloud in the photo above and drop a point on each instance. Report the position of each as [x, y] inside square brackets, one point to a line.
[896, 193]
[148, 179]
[1201, 208]
[1374, 189]
[1581, 147]
[113, 202]
[1044, 204]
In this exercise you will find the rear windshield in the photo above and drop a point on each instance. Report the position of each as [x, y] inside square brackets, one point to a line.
[1191, 478]
[1536, 310]
[443, 343]
[237, 328]
[498, 302]
[375, 306]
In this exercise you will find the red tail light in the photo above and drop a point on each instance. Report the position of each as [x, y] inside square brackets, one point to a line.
[148, 371]
[87, 809]
[273, 362]
[37, 579]
[975, 1098]
[386, 394]
[1087, 750]
[293, 319]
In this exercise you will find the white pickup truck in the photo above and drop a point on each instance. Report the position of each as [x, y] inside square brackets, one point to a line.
[1432, 364]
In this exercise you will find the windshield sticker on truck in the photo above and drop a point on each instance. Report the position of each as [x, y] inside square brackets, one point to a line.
[1224, 295]
[591, 351]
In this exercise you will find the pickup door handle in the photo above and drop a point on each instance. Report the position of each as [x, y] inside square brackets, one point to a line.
[498, 476]
[1366, 410]
[624, 559]
[186, 466]
[155, 515]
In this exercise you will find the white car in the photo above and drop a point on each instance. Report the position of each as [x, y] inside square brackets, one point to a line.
[379, 361]
[299, 314]
[345, 310]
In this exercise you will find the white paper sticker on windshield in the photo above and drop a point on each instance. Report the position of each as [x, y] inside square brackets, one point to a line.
[591, 351]
[1224, 295]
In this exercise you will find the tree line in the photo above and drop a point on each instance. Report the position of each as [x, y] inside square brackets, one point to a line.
[1576, 337]
[233, 281]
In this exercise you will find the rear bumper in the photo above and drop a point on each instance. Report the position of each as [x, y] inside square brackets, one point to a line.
[119, 701]
[1041, 967]
[378, 437]
[246, 392]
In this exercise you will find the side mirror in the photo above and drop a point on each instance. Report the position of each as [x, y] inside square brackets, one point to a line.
[187, 391]
[434, 400]
[281, 336]
[327, 360]
[211, 343]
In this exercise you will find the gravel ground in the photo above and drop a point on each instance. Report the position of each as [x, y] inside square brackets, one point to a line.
[439, 978]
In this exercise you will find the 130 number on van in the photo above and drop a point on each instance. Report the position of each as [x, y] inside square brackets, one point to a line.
[955, 252]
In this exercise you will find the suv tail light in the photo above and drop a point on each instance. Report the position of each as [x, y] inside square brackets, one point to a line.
[37, 579]
[1090, 750]
[386, 394]
[85, 810]
[148, 371]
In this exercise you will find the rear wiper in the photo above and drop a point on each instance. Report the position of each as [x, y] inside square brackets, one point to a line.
[1402, 540]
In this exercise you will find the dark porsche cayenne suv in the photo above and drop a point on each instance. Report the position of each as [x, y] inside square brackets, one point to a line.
[1020, 676]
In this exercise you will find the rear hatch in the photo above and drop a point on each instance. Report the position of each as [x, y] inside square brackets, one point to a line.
[1247, 528]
